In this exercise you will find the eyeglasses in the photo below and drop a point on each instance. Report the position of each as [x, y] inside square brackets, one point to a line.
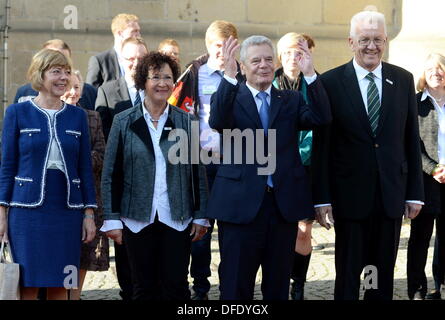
[366, 42]
[58, 71]
[167, 79]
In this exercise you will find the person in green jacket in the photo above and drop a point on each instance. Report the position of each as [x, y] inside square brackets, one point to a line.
[289, 77]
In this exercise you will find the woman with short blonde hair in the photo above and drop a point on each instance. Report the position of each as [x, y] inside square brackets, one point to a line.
[95, 254]
[46, 185]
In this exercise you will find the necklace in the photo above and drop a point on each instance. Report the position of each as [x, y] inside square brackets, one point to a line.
[153, 120]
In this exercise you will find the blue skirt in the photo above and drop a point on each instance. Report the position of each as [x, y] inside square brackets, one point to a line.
[46, 240]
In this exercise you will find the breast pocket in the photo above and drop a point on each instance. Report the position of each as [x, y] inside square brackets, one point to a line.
[29, 138]
[72, 139]
[74, 133]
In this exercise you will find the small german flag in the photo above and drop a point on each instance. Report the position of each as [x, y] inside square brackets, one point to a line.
[184, 90]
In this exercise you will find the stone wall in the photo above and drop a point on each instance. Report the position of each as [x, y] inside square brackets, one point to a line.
[35, 21]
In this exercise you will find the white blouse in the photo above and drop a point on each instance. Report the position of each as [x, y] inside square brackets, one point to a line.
[55, 157]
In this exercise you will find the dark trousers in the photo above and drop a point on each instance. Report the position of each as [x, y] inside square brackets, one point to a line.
[269, 242]
[439, 253]
[419, 241]
[373, 241]
[418, 244]
[123, 271]
[159, 257]
[201, 250]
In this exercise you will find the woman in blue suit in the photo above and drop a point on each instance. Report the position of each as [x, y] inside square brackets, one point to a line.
[46, 181]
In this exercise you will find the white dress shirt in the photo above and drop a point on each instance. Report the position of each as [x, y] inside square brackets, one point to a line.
[441, 119]
[160, 204]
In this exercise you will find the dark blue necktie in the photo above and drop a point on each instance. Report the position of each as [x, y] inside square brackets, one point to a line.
[264, 116]
[137, 100]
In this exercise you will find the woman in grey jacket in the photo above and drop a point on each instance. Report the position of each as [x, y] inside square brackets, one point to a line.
[153, 203]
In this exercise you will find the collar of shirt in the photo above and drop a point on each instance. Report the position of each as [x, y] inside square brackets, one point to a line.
[427, 94]
[162, 118]
[255, 91]
[208, 69]
[362, 72]
[257, 99]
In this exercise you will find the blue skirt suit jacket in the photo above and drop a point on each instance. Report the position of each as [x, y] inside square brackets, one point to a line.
[26, 141]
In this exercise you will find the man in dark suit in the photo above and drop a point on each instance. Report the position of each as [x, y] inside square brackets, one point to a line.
[89, 93]
[367, 166]
[113, 97]
[258, 214]
[118, 95]
[108, 65]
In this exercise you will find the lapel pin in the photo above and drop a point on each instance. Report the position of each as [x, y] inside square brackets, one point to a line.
[167, 128]
[389, 81]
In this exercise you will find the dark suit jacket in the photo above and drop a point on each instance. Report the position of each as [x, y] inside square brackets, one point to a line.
[238, 190]
[102, 68]
[428, 128]
[112, 98]
[86, 101]
[349, 163]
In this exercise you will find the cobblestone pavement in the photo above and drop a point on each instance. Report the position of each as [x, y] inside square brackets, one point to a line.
[321, 274]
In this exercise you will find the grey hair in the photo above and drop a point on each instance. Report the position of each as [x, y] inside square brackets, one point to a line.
[254, 41]
[369, 19]
[79, 76]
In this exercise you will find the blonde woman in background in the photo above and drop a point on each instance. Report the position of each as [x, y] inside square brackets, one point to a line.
[289, 77]
[431, 104]
[95, 254]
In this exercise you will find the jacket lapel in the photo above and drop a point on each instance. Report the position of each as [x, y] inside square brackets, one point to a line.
[123, 90]
[139, 127]
[117, 70]
[246, 100]
[388, 92]
[275, 105]
[352, 90]
[164, 144]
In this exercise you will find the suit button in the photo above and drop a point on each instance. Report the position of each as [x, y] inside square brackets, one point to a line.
[376, 145]
[20, 184]
[30, 134]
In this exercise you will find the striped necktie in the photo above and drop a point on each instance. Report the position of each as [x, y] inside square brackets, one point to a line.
[137, 100]
[373, 103]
